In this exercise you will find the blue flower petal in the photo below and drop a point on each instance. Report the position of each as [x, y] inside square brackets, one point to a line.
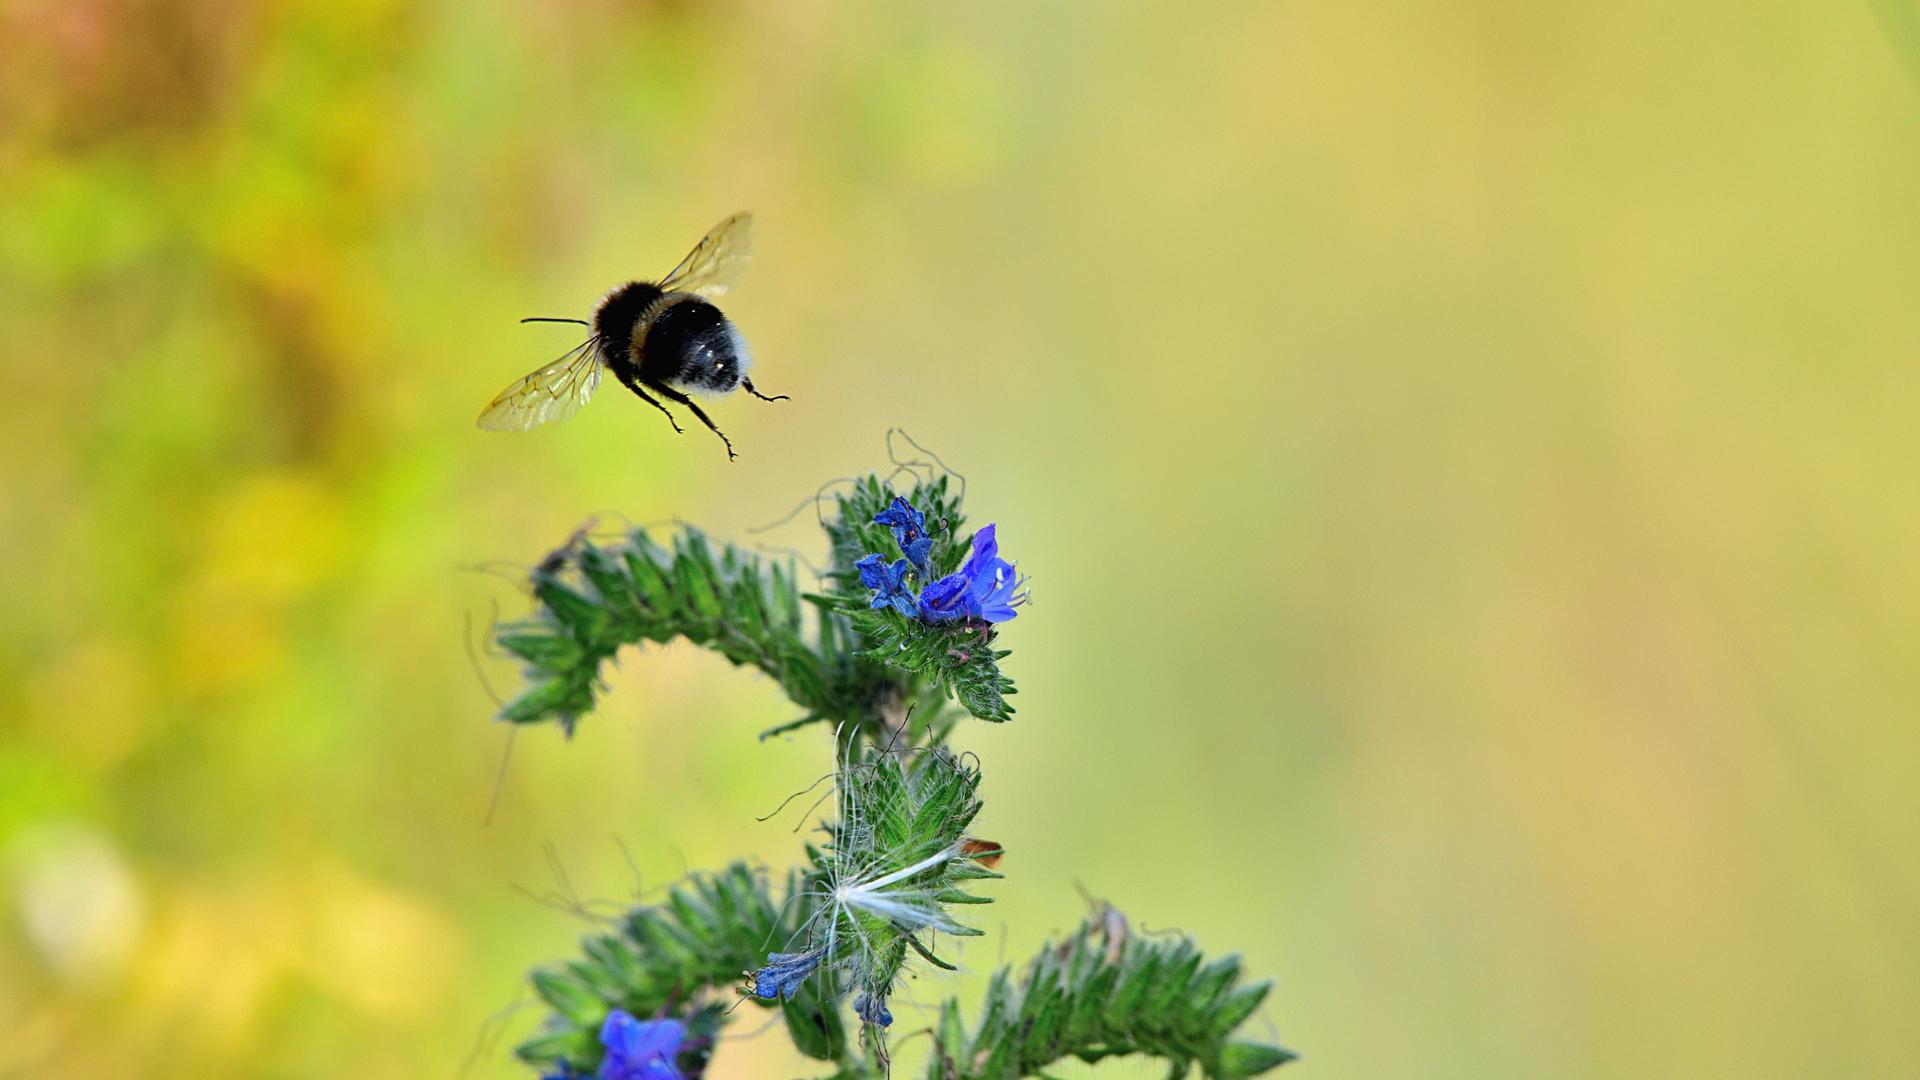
[997, 605]
[888, 582]
[944, 600]
[640, 1050]
[918, 550]
[902, 517]
[909, 530]
[784, 973]
[873, 1009]
[986, 548]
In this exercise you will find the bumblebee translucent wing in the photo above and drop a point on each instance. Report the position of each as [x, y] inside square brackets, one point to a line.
[714, 264]
[554, 392]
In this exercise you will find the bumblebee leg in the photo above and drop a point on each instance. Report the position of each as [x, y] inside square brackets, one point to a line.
[671, 394]
[748, 383]
[634, 385]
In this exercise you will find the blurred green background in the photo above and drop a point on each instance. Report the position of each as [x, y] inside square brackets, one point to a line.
[1465, 453]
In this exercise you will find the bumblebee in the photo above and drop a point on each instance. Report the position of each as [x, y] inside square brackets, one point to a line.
[665, 338]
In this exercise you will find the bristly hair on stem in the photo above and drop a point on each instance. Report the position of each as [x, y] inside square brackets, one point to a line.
[898, 857]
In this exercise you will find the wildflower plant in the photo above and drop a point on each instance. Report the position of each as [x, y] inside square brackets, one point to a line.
[897, 646]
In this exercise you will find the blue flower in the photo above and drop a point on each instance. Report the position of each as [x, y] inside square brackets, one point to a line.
[918, 550]
[909, 530]
[784, 973]
[945, 600]
[903, 519]
[873, 1009]
[984, 588]
[641, 1050]
[889, 583]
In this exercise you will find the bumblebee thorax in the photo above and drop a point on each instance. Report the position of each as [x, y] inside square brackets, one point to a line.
[618, 316]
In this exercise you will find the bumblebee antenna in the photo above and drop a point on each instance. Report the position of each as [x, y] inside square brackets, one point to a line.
[538, 318]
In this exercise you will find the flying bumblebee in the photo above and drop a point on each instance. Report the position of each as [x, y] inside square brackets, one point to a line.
[663, 338]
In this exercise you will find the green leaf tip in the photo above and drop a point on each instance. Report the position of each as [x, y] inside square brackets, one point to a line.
[1104, 992]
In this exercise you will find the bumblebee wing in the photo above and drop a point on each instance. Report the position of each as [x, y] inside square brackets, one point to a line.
[713, 265]
[554, 392]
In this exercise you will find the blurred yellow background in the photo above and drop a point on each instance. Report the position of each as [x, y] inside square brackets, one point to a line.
[1465, 453]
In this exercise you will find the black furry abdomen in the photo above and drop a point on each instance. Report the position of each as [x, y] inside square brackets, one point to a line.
[615, 318]
[682, 343]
